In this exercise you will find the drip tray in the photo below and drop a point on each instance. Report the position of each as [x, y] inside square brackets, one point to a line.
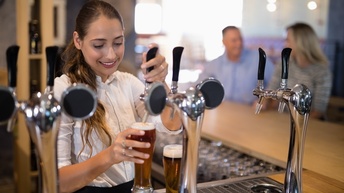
[254, 185]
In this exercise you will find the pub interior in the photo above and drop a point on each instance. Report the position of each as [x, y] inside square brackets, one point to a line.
[230, 130]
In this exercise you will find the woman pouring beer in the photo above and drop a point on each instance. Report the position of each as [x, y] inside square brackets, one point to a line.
[97, 155]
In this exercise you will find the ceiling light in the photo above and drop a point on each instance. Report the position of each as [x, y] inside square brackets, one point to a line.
[312, 5]
[271, 7]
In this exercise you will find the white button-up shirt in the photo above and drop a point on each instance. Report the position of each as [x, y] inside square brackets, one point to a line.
[120, 97]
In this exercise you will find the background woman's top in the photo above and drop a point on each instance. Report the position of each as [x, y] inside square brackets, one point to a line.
[317, 77]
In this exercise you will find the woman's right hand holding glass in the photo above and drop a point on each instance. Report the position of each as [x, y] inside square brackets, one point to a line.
[122, 148]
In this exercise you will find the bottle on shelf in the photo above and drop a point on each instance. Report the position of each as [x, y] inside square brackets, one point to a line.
[35, 38]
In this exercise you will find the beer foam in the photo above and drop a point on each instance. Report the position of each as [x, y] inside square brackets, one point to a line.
[143, 126]
[173, 151]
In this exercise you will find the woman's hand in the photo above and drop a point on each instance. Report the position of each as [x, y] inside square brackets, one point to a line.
[159, 74]
[160, 69]
[122, 148]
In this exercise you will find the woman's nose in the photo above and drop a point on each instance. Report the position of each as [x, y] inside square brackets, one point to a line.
[111, 53]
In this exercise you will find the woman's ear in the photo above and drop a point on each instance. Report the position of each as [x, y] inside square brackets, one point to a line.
[77, 41]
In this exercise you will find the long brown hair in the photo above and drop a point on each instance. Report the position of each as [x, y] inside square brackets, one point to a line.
[76, 68]
[307, 43]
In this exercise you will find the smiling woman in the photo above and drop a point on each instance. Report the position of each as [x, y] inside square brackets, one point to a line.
[91, 154]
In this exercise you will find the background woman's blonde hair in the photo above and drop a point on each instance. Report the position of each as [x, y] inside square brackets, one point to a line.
[307, 43]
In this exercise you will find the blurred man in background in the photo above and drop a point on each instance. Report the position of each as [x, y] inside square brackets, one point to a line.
[236, 68]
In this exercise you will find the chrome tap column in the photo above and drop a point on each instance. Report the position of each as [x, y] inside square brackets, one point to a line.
[298, 100]
[191, 105]
[42, 115]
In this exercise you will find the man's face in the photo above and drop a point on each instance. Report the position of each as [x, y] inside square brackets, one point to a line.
[232, 41]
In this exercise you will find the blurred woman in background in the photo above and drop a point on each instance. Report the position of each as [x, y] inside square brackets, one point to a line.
[308, 65]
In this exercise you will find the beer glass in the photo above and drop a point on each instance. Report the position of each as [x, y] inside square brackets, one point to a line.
[171, 162]
[142, 180]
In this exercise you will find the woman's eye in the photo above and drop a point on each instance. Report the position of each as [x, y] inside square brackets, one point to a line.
[118, 43]
[98, 46]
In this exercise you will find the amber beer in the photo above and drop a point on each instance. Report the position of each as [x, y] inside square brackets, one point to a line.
[172, 161]
[142, 180]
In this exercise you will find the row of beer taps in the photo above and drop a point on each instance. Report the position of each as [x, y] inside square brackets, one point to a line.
[209, 94]
[43, 114]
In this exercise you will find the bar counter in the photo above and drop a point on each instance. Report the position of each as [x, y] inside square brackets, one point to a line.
[266, 136]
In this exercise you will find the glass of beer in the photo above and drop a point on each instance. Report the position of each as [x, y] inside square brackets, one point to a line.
[171, 161]
[142, 180]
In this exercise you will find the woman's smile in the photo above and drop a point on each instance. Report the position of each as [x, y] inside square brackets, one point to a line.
[109, 64]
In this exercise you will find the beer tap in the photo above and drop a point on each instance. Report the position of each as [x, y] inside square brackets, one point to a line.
[260, 83]
[284, 76]
[298, 100]
[43, 115]
[191, 105]
[177, 55]
[8, 96]
[150, 55]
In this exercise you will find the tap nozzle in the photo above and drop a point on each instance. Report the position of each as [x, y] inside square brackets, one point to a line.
[259, 92]
[259, 105]
[174, 87]
[282, 89]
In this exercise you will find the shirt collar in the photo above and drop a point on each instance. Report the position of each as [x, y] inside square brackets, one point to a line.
[110, 79]
[243, 55]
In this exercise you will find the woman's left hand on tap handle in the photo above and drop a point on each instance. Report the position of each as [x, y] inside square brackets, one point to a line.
[160, 65]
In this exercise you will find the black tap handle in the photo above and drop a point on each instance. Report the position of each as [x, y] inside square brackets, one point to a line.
[261, 65]
[150, 55]
[51, 54]
[177, 55]
[285, 62]
[12, 57]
